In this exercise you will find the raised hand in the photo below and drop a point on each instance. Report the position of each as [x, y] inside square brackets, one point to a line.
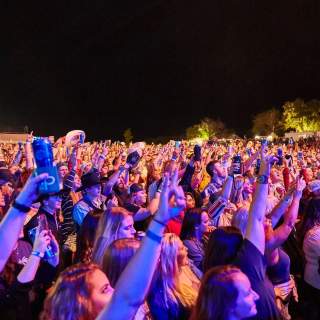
[300, 184]
[30, 193]
[73, 158]
[266, 161]
[30, 137]
[172, 199]
[41, 241]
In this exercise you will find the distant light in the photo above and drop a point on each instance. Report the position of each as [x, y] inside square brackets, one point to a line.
[257, 137]
[270, 138]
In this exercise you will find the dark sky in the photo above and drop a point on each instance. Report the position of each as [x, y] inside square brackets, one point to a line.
[154, 66]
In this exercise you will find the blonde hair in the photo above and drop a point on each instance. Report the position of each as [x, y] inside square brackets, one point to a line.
[70, 297]
[171, 274]
[107, 231]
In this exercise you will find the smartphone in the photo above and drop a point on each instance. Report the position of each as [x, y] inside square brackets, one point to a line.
[258, 164]
[81, 139]
[280, 157]
[236, 164]
[177, 144]
[43, 225]
[300, 155]
[289, 158]
[264, 142]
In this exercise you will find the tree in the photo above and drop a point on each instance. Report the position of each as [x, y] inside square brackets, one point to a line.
[206, 129]
[267, 122]
[301, 116]
[127, 135]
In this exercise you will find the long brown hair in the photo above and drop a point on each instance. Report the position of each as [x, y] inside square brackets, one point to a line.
[311, 217]
[217, 295]
[172, 290]
[117, 256]
[69, 298]
[107, 231]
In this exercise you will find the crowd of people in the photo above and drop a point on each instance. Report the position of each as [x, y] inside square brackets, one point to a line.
[225, 229]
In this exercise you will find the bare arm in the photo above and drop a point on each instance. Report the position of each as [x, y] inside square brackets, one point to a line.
[279, 210]
[226, 189]
[281, 234]
[255, 229]
[12, 223]
[144, 213]
[29, 153]
[247, 164]
[28, 273]
[112, 181]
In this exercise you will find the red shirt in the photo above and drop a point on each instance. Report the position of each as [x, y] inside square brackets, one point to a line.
[174, 225]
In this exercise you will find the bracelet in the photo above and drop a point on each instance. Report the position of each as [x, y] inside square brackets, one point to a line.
[159, 190]
[20, 207]
[160, 222]
[37, 254]
[151, 235]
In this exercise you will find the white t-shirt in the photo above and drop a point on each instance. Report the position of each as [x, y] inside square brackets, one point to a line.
[311, 249]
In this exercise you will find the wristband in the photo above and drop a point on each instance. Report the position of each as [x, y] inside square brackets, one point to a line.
[37, 254]
[160, 222]
[151, 235]
[20, 207]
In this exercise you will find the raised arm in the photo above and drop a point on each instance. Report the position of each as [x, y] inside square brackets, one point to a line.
[281, 234]
[247, 164]
[279, 210]
[227, 187]
[28, 273]
[12, 223]
[255, 228]
[28, 152]
[129, 295]
[18, 156]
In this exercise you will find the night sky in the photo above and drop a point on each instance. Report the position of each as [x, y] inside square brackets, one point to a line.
[154, 66]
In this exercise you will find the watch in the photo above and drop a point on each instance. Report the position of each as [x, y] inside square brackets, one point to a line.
[262, 179]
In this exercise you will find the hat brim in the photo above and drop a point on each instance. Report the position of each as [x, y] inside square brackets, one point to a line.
[83, 187]
[44, 196]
